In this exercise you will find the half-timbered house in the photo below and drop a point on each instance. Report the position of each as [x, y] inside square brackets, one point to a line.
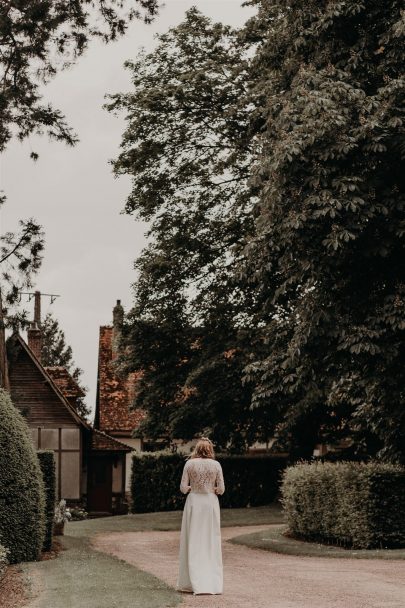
[90, 465]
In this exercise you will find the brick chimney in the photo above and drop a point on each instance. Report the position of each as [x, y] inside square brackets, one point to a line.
[118, 321]
[34, 334]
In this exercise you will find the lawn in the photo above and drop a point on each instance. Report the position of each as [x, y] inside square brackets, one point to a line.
[171, 520]
[84, 578]
[274, 540]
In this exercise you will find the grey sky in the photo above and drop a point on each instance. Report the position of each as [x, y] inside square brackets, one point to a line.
[90, 247]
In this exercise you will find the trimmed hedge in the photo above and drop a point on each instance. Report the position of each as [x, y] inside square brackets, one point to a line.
[249, 481]
[22, 497]
[47, 463]
[358, 505]
[3, 561]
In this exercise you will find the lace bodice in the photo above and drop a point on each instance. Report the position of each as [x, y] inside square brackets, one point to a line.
[202, 475]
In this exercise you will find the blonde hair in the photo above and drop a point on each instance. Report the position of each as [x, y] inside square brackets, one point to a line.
[204, 448]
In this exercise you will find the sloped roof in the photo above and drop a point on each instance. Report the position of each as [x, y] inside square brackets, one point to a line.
[114, 394]
[102, 441]
[17, 339]
[65, 381]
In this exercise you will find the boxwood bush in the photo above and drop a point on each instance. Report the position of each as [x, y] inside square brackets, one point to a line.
[22, 498]
[359, 505]
[249, 481]
[47, 463]
[3, 561]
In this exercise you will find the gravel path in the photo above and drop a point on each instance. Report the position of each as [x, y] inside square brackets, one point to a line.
[260, 579]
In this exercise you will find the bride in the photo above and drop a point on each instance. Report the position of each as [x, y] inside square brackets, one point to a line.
[200, 568]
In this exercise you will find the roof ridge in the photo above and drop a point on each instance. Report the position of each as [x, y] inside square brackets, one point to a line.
[53, 384]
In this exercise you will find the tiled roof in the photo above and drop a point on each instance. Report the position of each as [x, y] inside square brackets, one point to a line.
[28, 386]
[65, 382]
[114, 394]
[101, 441]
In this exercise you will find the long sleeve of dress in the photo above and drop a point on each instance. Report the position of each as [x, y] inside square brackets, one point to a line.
[185, 480]
[219, 482]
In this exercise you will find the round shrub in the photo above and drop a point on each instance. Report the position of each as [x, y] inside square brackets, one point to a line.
[22, 495]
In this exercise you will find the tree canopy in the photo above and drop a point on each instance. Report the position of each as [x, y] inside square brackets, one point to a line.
[327, 256]
[38, 38]
[56, 352]
[187, 148]
[270, 163]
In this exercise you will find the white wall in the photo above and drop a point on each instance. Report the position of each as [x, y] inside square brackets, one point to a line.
[136, 445]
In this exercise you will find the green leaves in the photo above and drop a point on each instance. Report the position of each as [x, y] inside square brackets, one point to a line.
[269, 162]
[55, 352]
[187, 148]
[37, 37]
[329, 223]
[351, 504]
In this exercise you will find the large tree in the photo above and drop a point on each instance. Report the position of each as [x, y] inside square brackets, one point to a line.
[187, 148]
[56, 352]
[270, 162]
[328, 254]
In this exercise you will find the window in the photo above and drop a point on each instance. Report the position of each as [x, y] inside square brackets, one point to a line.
[65, 442]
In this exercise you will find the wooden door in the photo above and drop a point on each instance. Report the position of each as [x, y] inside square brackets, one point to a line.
[100, 484]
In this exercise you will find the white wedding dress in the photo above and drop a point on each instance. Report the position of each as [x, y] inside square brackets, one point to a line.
[200, 567]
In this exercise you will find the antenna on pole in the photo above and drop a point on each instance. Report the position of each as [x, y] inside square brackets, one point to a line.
[37, 295]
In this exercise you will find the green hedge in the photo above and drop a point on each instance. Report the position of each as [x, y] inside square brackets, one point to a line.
[349, 503]
[3, 561]
[22, 497]
[47, 463]
[249, 481]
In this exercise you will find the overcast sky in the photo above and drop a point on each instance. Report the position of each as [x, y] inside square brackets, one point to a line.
[90, 246]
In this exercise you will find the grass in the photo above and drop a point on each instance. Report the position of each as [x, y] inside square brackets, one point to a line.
[274, 540]
[171, 520]
[84, 578]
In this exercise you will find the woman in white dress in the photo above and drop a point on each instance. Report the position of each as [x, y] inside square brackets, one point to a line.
[200, 568]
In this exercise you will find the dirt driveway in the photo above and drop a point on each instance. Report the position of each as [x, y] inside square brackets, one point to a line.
[259, 579]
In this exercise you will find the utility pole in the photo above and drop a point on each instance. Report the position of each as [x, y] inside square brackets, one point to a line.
[37, 295]
[4, 378]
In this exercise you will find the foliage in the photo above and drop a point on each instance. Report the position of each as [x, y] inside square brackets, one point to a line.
[61, 513]
[20, 259]
[354, 504]
[187, 149]
[249, 481]
[22, 496]
[55, 352]
[326, 261]
[77, 514]
[38, 38]
[47, 463]
[3, 561]
[270, 164]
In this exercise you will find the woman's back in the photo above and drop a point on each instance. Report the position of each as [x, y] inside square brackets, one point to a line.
[202, 475]
[200, 559]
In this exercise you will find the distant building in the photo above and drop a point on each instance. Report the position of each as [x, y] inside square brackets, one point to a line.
[115, 396]
[115, 393]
